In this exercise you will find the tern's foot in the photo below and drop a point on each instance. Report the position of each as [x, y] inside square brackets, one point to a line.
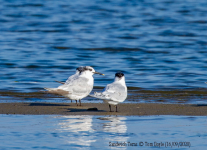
[79, 105]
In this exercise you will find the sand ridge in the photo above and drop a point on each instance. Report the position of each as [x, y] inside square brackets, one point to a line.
[124, 109]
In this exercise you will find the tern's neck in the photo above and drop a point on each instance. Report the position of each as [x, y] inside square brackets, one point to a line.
[120, 80]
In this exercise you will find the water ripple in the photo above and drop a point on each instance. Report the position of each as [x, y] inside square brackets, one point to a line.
[158, 44]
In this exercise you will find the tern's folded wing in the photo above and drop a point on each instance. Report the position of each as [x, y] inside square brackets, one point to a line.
[115, 92]
[71, 79]
[78, 87]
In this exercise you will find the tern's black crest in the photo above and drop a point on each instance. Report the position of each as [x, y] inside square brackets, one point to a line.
[81, 68]
[119, 74]
[88, 68]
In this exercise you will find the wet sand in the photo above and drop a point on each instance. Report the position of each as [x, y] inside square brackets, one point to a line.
[126, 109]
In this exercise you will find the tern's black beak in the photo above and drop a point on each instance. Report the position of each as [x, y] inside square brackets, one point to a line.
[98, 73]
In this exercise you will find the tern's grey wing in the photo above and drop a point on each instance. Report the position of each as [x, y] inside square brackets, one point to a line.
[71, 78]
[78, 86]
[116, 92]
[113, 91]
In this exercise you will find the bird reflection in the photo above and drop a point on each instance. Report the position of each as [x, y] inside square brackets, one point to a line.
[115, 124]
[77, 130]
[116, 129]
[90, 131]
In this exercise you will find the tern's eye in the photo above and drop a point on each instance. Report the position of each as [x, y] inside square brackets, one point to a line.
[90, 69]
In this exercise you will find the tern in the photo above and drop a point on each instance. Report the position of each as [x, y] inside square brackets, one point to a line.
[115, 92]
[77, 87]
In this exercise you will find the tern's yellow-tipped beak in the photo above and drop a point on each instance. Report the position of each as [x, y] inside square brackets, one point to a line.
[99, 73]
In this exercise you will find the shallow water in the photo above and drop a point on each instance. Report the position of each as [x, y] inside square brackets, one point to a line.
[92, 132]
[158, 44]
[198, 96]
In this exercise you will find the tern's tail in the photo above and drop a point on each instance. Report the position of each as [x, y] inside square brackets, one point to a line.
[60, 82]
[50, 89]
[98, 95]
[57, 91]
[95, 94]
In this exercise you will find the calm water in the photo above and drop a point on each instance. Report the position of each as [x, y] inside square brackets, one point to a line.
[92, 132]
[158, 44]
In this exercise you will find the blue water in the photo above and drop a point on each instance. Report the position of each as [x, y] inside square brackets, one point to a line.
[94, 132]
[158, 44]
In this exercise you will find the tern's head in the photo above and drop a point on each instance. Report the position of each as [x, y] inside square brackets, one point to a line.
[89, 70]
[119, 76]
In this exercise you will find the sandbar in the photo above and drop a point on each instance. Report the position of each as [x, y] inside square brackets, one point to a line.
[124, 109]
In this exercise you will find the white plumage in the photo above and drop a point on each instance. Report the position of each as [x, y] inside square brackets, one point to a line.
[115, 92]
[77, 73]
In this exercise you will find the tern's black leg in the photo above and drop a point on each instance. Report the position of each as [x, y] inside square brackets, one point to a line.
[71, 101]
[110, 107]
[76, 102]
[80, 102]
[116, 107]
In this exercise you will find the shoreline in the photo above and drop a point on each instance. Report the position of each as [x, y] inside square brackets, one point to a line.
[124, 109]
